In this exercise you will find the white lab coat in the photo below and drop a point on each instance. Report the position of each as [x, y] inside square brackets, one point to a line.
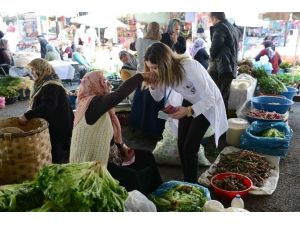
[198, 88]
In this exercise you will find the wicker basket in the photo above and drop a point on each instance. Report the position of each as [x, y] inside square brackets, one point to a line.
[23, 154]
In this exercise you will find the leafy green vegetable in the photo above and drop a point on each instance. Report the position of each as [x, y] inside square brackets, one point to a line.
[20, 197]
[8, 92]
[10, 81]
[273, 132]
[181, 198]
[81, 187]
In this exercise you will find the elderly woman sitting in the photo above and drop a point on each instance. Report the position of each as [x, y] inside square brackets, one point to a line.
[97, 133]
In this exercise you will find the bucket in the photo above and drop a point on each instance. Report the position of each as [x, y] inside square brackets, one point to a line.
[236, 126]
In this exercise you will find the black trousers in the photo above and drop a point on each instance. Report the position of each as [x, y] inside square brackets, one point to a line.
[190, 133]
[143, 175]
[223, 82]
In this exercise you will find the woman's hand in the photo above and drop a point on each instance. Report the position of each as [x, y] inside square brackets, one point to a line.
[23, 120]
[180, 113]
[150, 78]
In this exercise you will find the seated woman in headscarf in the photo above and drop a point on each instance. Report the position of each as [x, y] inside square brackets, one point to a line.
[51, 54]
[50, 101]
[199, 53]
[97, 133]
[129, 65]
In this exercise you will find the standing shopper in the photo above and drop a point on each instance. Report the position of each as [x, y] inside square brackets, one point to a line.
[50, 101]
[223, 53]
[202, 101]
[144, 110]
[199, 53]
[172, 37]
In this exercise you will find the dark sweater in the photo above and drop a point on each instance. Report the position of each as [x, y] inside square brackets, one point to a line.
[52, 104]
[202, 57]
[179, 47]
[101, 104]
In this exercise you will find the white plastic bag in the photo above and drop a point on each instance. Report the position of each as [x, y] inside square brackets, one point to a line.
[137, 202]
[166, 150]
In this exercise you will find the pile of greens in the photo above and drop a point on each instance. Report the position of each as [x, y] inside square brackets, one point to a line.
[268, 84]
[273, 132]
[74, 187]
[180, 198]
[20, 197]
[9, 86]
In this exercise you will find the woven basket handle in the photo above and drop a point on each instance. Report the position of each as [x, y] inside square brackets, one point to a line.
[7, 136]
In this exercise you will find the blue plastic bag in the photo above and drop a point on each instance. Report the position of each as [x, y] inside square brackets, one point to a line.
[266, 145]
[166, 203]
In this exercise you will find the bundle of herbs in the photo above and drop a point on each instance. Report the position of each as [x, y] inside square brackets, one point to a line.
[268, 84]
[80, 187]
[248, 163]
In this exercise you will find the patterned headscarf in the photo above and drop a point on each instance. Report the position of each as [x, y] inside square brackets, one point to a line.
[199, 44]
[46, 75]
[88, 89]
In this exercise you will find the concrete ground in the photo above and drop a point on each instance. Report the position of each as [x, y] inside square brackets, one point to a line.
[286, 198]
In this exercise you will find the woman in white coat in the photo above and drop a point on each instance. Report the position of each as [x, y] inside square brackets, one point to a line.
[202, 101]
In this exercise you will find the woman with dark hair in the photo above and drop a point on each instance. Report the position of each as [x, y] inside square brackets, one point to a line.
[49, 101]
[274, 57]
[202, 101]
[6, 59]
[172, 37]
[223, 53]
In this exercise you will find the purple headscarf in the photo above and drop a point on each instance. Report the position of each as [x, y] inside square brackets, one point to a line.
[199, 44]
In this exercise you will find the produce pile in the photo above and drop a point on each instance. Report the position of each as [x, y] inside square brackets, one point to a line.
[10, 86]
[248, 163]
[231, 183]
[74, 187]
[180, 198]
[272, 132]
[289, 79]
[261, 114]
[245, 66]
[268, 84]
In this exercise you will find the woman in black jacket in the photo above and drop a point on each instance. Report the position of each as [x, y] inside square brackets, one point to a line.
[223, 53]
[172, 37]
[50, 102]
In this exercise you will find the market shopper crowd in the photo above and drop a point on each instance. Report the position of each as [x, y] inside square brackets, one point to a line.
[159, 69]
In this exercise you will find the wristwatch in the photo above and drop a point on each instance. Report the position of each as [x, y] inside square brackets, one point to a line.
[190, 111]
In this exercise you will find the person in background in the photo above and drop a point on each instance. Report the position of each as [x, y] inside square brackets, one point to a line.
[129, 65]
[202, 101]
[43, 43]
[172, 37]
[97, 133]
[6, 57]
[144, 110]
[1, 34]
[199, 53]
[51, 54]
[273, 55]
[49, 101]
[78, 56]
[223, 53]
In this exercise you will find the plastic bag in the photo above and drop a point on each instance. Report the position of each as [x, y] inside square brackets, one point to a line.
[267, 145]
[166, 150]
[180, 196]
[137, 202]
